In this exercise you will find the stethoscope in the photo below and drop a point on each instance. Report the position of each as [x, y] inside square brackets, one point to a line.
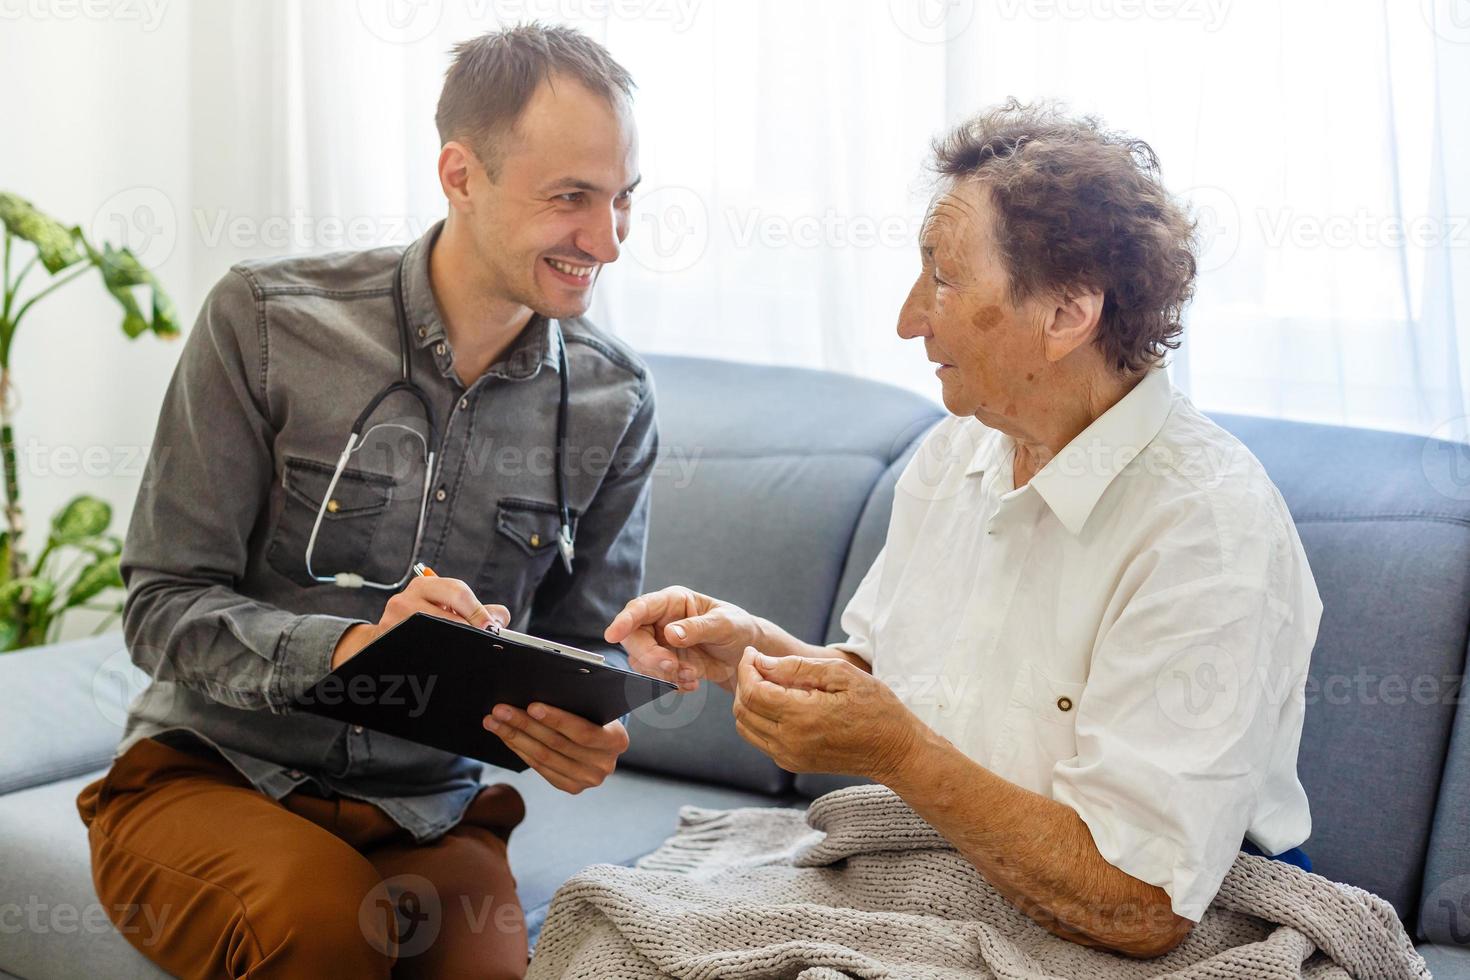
[565, 541]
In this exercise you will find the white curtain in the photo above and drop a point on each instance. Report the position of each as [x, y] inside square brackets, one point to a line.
[1322, 143]
[1325, 145]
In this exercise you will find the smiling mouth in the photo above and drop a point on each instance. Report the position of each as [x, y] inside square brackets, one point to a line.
[579, 273]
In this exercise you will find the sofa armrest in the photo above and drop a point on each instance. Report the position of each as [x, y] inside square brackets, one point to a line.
[62, 708]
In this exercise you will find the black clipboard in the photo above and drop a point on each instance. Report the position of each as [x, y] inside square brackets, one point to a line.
[433, 681]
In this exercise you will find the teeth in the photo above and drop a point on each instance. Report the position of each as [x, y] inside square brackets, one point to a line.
[572, 270]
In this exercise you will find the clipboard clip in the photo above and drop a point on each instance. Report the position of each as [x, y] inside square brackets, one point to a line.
[546, 646]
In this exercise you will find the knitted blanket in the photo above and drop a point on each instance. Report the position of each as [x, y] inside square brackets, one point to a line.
[859, 886]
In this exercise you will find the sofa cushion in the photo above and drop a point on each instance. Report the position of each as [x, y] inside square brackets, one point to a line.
[763, 476]
[616, 823]
[867, 541]
[46, 886]
[1446, 962]
[52, 924]
[1444, 915]
[721, 535]
[1380, 696]
[1388, 548]
[871, 533]
[62, 708]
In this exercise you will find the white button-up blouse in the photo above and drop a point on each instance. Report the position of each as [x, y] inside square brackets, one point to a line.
[1128, 634]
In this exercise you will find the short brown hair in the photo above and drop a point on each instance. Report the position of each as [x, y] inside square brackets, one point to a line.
[494, 75]
[1078, 206]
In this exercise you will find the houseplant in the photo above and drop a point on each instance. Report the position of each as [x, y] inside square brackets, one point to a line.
[77, 567]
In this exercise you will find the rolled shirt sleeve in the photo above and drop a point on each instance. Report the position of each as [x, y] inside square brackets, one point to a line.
[209, 472]
[857, 617]
[1193, 691]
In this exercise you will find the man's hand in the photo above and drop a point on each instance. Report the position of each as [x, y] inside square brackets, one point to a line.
[683, 637]
[447, 598]
[823, 715]
[569, 752]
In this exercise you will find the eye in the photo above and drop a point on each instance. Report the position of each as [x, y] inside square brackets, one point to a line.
[571, 197]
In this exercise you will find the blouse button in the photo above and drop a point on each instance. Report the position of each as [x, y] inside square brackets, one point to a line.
[1064, 703]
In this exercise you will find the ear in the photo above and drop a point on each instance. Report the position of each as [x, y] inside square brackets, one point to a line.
[459, 171]
[1073, 323]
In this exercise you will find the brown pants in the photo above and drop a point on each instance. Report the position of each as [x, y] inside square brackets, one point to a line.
[209, 877]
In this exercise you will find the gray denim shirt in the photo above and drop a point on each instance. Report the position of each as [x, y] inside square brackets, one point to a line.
[220, 610]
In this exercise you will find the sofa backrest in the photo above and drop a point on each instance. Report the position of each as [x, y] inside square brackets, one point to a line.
[62, 708]
[764, 474]
[1384, 519]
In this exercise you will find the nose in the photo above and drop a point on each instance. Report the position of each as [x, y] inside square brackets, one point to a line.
[602, 235]
[913, 317]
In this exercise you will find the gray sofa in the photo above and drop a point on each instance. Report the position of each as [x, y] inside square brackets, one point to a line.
[783, 508]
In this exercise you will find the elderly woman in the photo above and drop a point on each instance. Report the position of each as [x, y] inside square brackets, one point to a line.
[1082, 652]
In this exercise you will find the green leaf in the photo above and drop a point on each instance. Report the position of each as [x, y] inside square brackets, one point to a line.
[121, 272]
[10, 631]
[101, 574]
[55, 243]
[101, 546]
[83, 517]
[43, 590]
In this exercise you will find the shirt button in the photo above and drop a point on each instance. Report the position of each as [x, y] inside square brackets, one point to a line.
[440, 494]
[1064, 703]
[333, 506]
[295, 773]
[464, 403]
[357, 729]
[423, 331]
[439, 349]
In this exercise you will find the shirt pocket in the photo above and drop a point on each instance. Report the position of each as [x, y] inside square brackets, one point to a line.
[350, 523]
[1045, 709]
[521, 552]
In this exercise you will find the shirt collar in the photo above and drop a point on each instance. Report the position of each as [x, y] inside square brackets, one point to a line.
[993, 449]
[534, 347]
[1074, 480]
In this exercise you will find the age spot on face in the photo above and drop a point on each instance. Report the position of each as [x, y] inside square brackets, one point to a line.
[1030, 376]
[987, 317]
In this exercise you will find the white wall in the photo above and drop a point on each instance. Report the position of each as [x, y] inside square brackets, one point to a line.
[95, 132]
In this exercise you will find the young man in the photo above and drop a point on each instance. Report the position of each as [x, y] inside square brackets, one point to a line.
[279, 842]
